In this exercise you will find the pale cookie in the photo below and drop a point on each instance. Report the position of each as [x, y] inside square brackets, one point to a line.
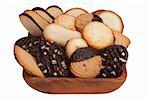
[27, 61]
[66, 21]
[75, 11]
[33, 22]
[83, 19]
[121, 39]
[44, 14]
[54, 10]
[30, 24]
[98, 12]
[74, 44]
[59, 34]
[85, 63]
[112, 20]
[98, 35]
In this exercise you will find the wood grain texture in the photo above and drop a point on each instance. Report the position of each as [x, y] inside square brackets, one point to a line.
[66, 85]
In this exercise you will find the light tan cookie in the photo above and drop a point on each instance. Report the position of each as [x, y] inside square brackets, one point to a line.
[27, 61]
[59, 34]
[83, 19]
[112, 20]
[33, 22]
[66, 21]
[98, 35]
[54, 10]
[30, 24]
[85, 63]
[75, 11]
[44, 14]
[74, 44]
[86, 69]
[121, 39]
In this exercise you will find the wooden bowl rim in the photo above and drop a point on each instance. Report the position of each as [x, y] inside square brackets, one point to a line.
[121, 79]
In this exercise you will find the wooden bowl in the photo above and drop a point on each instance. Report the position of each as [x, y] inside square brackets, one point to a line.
[67, 85]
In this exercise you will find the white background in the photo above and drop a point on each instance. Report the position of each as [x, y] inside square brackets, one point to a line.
[136, 18]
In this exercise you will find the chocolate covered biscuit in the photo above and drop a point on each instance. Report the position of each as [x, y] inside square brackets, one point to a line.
[50, 56]
[85, 63]
[114, 60]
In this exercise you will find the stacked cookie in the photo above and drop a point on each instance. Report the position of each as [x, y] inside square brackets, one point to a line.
[74, 43]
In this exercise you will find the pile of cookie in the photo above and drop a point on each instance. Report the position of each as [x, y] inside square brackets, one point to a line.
[74, 43]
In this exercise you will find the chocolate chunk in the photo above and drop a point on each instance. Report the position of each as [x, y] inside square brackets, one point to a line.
[114, 59]
[96, 18]
[49, 55]
[83, 54]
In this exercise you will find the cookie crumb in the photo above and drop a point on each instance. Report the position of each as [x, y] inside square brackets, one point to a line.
[54, 62]
[23, 46]
[30, 44]
[47, 48]
[48, 43]
[55, 74]
[36, 42]
[113, 73]
[45, 53]
[55, 50]
[40, 64]
[43, 47]
[45, 71]
[54, 56]
[103, 74]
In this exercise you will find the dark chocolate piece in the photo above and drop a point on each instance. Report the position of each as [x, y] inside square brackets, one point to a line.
[83, 54]
[114, 60]
[96, 18]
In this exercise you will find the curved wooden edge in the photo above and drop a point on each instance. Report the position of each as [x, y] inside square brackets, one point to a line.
[68, 85]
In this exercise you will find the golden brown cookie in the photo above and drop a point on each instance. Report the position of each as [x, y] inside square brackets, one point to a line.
[121, 39]
[54, 11]
[74, 44]
[33, 22]
[112, 20]
[83, 19]
[85, 63]
[59, 34]
[66, 21]
[98, 12]
[43, 13]
[98, 35]
[75, 11]
[27, 61]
